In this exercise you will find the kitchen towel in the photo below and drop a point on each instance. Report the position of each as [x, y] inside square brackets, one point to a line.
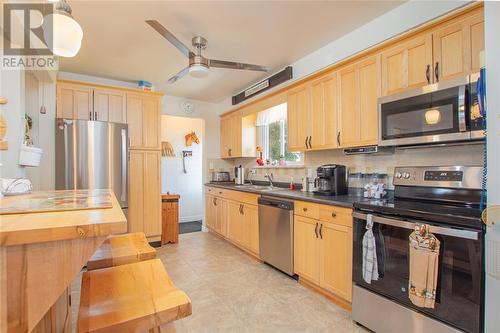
[424, 267]
[370, 266]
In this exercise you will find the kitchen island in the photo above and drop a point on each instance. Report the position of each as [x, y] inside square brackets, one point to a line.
[42, 251]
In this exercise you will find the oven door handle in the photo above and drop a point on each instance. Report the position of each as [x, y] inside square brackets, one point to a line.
[459, 233]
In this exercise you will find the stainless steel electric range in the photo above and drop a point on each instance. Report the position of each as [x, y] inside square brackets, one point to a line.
[447, 199]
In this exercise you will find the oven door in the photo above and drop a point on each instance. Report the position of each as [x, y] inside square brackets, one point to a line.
[436, 113]
[460, 277]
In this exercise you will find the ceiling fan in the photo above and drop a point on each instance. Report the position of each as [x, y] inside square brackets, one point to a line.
[198, 64]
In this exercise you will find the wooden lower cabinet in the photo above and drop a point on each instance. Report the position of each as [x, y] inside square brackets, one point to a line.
[237, 221]
[336, 260]
[306, 248]
[323, 253]
[216, 214]
[144, 213]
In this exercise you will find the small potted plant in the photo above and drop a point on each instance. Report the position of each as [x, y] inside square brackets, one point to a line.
[29, 155]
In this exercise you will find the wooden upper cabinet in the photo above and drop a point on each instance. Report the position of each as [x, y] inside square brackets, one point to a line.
[476, 26]
[151, 122]
[324, 113]
[143, 118]
[237, 135]
[450, 51]
[74, 101]
[407, 65]
[457, 45]
[110, 105]
[368, 94]
[349, 129]
[298, 109]
[359, 89]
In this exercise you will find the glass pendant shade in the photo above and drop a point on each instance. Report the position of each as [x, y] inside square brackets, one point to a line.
[198, 70]
[63, 33]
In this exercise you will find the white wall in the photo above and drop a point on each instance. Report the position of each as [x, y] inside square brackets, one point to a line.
[402, 18]
[188, 185]
[40, 89]
[492, 27]
[12, 88]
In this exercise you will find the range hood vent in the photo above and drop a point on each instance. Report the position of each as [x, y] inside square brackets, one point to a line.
[369, 150]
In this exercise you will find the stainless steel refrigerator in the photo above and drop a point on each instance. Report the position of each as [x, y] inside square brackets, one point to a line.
[92, 155]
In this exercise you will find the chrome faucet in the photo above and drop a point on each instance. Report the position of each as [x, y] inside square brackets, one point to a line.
[271, 178]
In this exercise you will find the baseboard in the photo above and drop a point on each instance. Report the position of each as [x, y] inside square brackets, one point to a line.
[334, 298]
[191, 218]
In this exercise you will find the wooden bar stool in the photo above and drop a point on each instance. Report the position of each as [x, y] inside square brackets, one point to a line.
[138, 297]
[122, 249]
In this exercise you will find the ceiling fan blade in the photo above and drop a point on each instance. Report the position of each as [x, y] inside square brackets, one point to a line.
[170, 37]
[179, 75]
[236, 65]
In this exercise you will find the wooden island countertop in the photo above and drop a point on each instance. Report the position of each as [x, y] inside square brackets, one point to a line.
[38, 227]
[42, 252]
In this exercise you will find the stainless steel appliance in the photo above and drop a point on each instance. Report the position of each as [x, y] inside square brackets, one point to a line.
[331, 180]
[441, 112]
[92, 154]
[276, 233]
[447, 200]
[220, 176]
[239, 175]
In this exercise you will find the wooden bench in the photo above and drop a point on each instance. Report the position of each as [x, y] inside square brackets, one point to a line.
[138, 297]
[122, 249]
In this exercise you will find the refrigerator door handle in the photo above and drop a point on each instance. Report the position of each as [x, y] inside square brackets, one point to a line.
[124, 165]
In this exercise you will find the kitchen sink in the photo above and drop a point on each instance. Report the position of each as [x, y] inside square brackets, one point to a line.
[261, 188]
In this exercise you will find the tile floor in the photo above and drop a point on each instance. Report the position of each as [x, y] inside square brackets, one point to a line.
[231, 292]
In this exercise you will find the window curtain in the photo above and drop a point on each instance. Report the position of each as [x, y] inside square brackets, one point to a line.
[271, 115]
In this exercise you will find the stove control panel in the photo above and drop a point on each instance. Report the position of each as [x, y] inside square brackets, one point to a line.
[450, 176]
[439, 176]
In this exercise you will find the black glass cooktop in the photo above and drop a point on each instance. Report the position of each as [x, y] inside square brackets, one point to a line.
[459, 215]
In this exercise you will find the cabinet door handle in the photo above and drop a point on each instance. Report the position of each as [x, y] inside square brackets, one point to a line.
[436, 71]
[321, 231]
[242, 210]
[95, 115]
[215, 201]
[310, 138]
[306, 143]
[338, 138]
[428, 73]
[229, 152]
[316, 230]
[90, 115]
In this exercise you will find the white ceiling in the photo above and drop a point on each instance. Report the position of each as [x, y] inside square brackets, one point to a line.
[118, 44]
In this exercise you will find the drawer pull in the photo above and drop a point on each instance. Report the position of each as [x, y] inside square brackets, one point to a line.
[304, 209]
[333, 214]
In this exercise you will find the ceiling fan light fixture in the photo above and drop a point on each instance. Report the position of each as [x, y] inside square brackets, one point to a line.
[198, 70]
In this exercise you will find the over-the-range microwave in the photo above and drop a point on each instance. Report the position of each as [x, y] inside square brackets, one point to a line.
[442, 112]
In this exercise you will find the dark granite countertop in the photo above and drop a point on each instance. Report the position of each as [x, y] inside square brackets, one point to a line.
[347, 200]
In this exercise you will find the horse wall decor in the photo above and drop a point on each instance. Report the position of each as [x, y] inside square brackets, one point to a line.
[190, 138]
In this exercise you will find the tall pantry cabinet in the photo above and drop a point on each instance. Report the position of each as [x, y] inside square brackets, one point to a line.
[143, 119]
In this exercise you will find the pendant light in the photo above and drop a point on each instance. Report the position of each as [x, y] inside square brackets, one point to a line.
[62, 33]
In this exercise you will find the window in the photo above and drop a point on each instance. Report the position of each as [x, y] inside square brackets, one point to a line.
[272, 137]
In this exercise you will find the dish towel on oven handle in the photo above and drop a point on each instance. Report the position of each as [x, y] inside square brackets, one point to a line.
[370, 266]
[424, 267]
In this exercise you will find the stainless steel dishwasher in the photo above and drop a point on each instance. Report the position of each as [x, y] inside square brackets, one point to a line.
[276, 233]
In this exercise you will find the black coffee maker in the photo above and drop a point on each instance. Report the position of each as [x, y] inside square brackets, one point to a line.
[331, 180]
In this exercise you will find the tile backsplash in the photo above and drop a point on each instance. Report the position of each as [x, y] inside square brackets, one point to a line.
[471, 154]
